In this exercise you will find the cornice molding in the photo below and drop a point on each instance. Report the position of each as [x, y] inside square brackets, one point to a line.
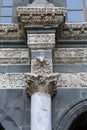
[47, 17]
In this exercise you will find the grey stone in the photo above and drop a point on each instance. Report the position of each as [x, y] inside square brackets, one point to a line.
[2, 97]
[26, 128]
[27, 101]
[13, 99]
[69, 68]
[46, 53]
[18, 68]
[59, 3]
[17, 116]
[27, 118]
[15, 68]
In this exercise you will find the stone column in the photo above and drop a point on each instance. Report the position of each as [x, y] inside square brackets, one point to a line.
[41, 88]
[42, 25]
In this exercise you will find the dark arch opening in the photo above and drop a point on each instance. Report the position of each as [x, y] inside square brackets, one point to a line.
[80, 123]
[1, 127]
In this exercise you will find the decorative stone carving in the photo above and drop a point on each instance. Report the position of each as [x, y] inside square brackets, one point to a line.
[70, 55]
[9, 32]
[74, 31]
[41, 66]
[41, 83]
[41, 17]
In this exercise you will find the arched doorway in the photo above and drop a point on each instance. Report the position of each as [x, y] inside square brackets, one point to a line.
[80, 123]
[77, 112]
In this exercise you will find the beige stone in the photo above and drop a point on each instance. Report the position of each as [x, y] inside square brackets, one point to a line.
[70, 55]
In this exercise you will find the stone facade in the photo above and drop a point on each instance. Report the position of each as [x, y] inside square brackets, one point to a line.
[33, 63]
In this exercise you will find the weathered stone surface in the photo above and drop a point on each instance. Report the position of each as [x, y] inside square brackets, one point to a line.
[9, 32]
[12, 80]
[41, 66]
[14, 56]
[72, 80]
[41, 83]
[74, 31]
[41, 40]
[18, 80]
[70, 55]
[44, 17]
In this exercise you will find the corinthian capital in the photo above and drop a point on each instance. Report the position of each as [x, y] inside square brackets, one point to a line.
[39, 83]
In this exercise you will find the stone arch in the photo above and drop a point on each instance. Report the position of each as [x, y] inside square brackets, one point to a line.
[7, 122]
[71, 114]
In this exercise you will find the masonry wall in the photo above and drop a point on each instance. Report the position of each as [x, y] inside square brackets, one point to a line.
[15, 107]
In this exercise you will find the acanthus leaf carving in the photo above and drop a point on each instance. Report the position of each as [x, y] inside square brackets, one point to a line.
[41, 83]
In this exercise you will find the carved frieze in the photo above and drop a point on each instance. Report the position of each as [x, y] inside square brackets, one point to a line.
[74, 31]
[14, 56]
[9, 32]
[41, 83]
[70, 55]
[41, 66]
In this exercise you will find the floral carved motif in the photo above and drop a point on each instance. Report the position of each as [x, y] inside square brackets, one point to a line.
[41, 83]
[41, 66]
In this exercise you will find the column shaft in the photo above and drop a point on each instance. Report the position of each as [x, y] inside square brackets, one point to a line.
[40, 111]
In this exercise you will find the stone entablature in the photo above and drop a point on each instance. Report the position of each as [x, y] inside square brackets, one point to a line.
[15, 32]
[41, 17]
[67, 80]
[55, 16]
[74, 31]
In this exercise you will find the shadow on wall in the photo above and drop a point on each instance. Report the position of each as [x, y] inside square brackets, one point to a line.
[72, 115]
[6, 122]
[1, 127]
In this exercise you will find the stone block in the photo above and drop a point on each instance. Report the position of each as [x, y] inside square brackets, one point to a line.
[70, 55]
[26, 128]
[13, 99]
[27, 101]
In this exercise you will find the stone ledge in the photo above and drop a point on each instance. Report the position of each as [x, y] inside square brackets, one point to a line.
[47, 17]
